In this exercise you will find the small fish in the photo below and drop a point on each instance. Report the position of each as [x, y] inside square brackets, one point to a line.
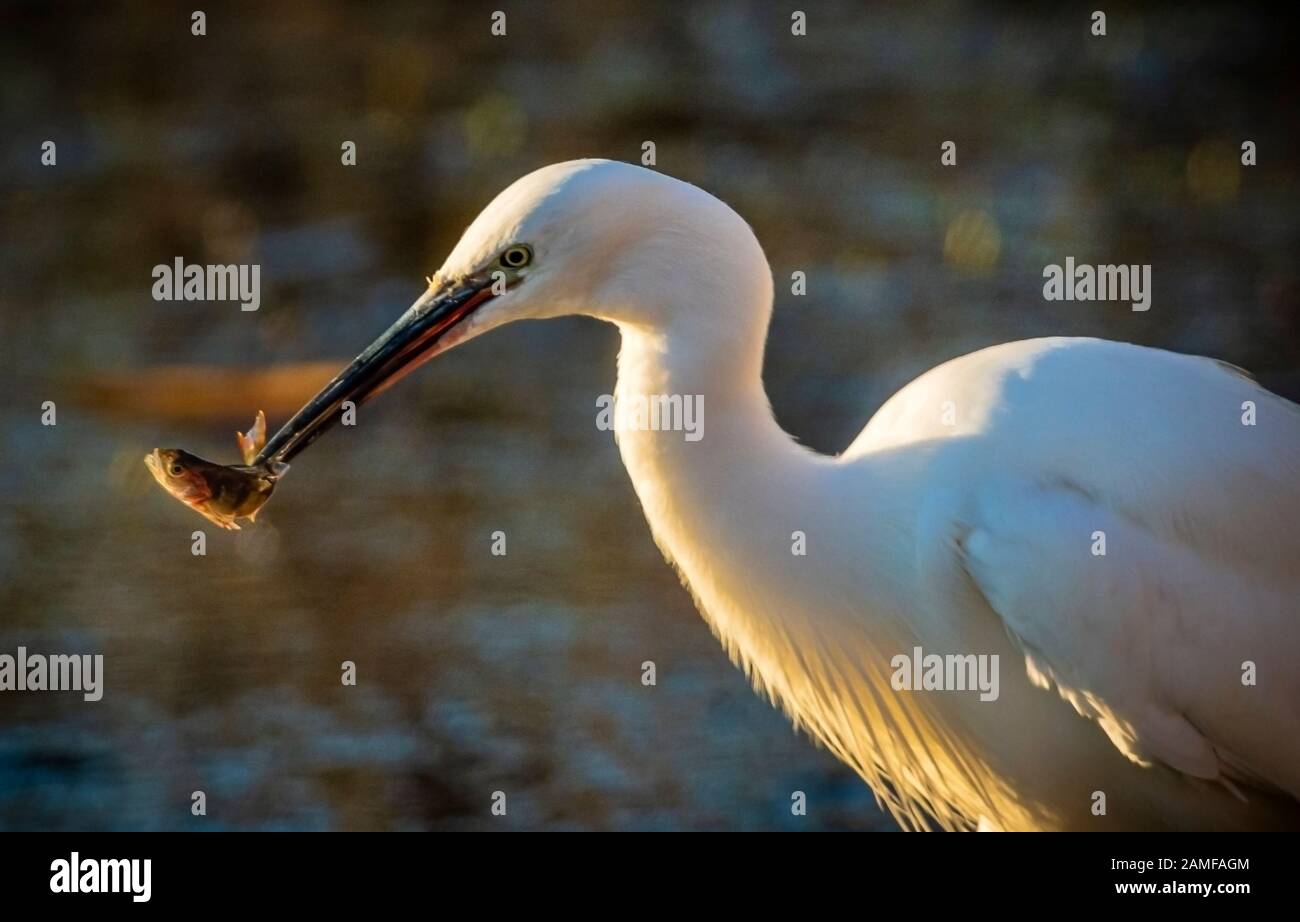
[220, 493]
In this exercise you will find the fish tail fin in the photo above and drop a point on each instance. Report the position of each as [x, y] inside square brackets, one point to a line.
[251, 444]
[247, 451]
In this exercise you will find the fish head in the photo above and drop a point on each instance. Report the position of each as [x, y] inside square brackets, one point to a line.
[178, 473]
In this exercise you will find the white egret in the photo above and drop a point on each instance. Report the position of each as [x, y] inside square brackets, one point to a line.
[1102, 518]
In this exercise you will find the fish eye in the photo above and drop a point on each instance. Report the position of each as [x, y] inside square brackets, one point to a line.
[176, 469]
[517, 256]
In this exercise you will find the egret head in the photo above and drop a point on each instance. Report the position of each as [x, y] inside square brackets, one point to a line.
[601, 238]
[594, 237]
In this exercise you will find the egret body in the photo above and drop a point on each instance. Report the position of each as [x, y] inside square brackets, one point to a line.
[965, 519]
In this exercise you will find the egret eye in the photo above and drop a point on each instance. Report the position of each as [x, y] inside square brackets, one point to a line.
[177, 470]
[516, 257]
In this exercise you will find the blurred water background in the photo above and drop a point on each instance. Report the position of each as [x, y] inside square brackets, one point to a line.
[522, 673]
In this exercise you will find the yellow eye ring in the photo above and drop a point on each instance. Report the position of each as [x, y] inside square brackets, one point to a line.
[177, 470]
[516, 257]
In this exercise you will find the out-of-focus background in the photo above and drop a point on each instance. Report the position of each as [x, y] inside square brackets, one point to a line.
[522, 673]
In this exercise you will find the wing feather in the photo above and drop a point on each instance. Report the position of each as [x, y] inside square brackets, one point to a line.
[1134, 520]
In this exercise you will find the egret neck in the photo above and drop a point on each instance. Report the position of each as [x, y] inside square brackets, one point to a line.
[804, 593]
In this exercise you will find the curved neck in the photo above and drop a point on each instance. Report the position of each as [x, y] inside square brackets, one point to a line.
[719, 386]
[814, 627]
[736, 487]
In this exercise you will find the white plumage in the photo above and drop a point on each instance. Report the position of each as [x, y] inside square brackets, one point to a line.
[964, 519]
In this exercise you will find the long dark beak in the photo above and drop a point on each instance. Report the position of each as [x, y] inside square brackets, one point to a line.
[406, 345]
